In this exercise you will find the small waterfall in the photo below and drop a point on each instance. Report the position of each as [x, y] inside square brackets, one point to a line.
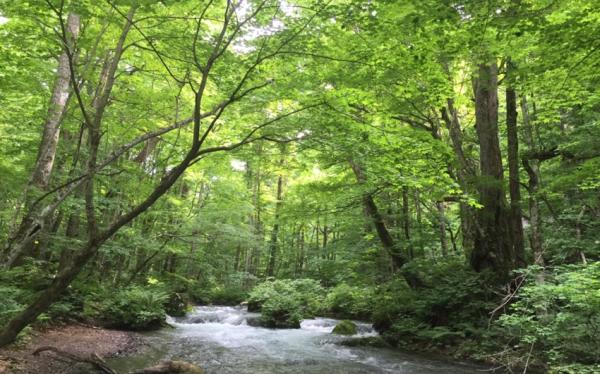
[219, 315]
[326, 325]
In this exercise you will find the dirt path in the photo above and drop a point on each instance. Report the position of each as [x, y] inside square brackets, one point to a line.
[76, 339]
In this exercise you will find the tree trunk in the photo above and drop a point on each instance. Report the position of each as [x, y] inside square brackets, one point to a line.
[324, 255]
[372, 212]
[40, 176]
[69, 271]
[492, 247]
[406, 221]
[48, 296]
[465, 174]
[513, 174]
[442, 227]
[275, 231]
[386, 239]
[533, 171]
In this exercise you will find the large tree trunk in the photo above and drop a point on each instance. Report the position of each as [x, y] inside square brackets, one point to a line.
[254, 175]
[48, 296]
[442, 227]
[72, 268]
[406, 221]
[373, 213]
[532, 166]
[492, 247]
[386, 239]
[275, 232]
[465, 174]
[40, 176]
[513, 175]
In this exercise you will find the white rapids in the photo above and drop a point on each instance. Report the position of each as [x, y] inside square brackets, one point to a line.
[228, 340]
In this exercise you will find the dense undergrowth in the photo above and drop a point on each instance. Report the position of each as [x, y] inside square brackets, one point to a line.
[551, 320]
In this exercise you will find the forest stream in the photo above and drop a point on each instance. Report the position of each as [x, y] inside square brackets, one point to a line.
[224, 340]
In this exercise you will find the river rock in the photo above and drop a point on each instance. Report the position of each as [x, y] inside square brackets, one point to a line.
[171, 367]
[345, 327]
[253, 306]
[369, 341]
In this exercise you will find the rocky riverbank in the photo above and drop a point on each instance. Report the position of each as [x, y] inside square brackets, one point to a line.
[79, 340]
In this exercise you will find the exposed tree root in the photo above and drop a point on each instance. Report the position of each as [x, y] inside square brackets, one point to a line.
[93, 359]
[167, 367]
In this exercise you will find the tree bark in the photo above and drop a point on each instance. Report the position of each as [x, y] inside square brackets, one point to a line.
[71, 269]
[532, 166]
[406, 221]
[465, 174]
[492, 247]
[386, 239]
[513, 173]
[275, 231]
[373, 213]
[40, 176]
[442, 227]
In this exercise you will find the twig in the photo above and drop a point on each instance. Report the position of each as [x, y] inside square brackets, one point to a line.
[528, 357]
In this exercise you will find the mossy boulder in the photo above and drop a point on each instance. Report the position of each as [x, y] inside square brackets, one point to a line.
[369, 341]
[171, 367]
[176, 305]
[281, 312]
[345, 327]
[254, 305]
[281, 319]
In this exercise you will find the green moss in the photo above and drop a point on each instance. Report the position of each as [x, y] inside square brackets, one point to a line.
[345, 328]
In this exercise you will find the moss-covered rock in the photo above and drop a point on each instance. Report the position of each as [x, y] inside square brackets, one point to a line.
[171, 367]
[369, 341]
[282, 312]
[345, 327]
[176, 305]
[254, 305]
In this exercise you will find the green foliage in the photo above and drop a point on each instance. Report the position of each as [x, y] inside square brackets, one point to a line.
[134, 308]
[281, 311]
[225, 296]
[284, 303]
[350, 301]
[308, 295]
[453, 304]
[382, 73]
[558, 315]
[11, 299]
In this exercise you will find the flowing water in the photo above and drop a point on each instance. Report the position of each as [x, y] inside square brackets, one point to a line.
[227, 340]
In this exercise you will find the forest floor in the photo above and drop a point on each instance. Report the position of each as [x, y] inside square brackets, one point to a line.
[80, 340]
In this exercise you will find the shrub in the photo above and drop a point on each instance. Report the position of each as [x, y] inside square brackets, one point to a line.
[226, 296]
[345, 301]
[452, 304]
[559, 318]
[308, 293]
[133, 308]
[288, 301]
[281, 311]
[10, 303]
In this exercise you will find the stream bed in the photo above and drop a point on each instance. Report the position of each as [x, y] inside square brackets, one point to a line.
[227, 340]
